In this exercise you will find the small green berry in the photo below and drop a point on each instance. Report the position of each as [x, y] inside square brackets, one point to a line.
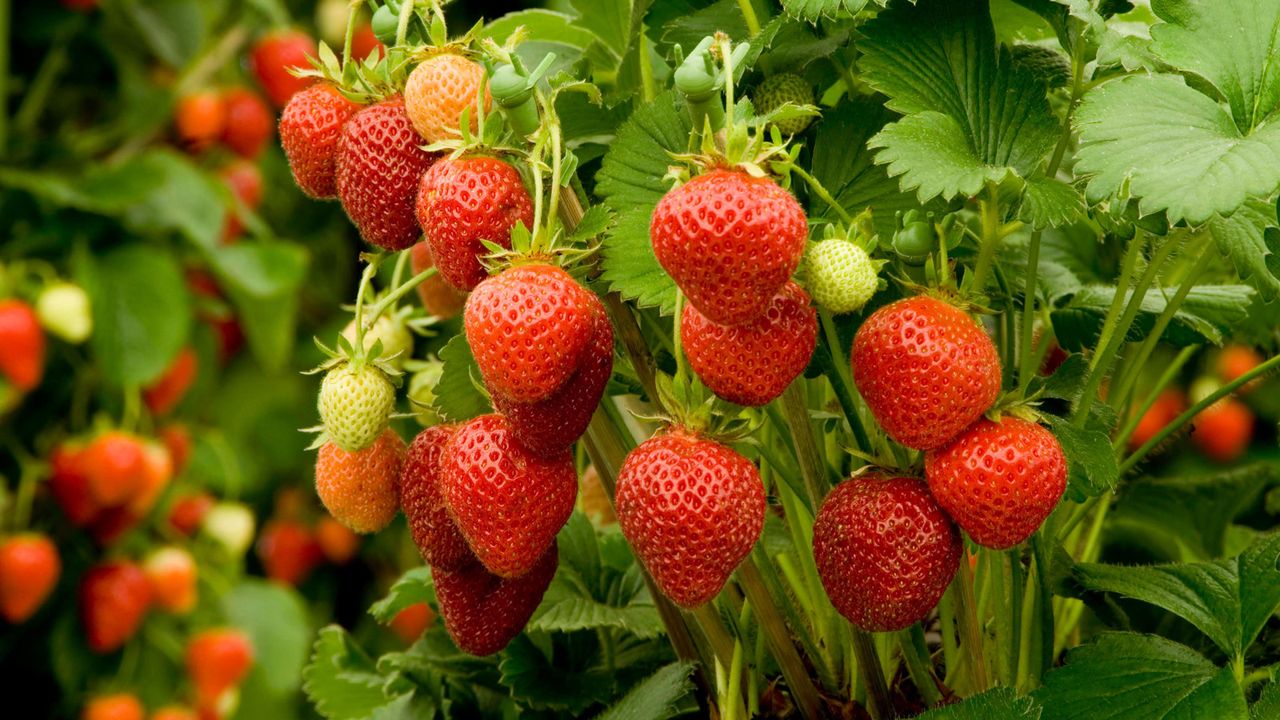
[840, 275]
[397, 341]
[63, 309]
[779, 89]
[355, 405]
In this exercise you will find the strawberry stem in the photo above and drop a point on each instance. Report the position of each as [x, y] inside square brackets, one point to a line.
[348, 37]
[400, 291]
[915, 655]
[402, 28]
[749, 17]
[811, 468]
[966, 609]
[872, 676]
[778, 637]
[818, 189]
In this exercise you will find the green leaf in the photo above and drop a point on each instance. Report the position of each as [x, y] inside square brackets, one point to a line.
[1068, 257]
[631, 182]
[1001, 702]
[1207, 314]
[536, 681]
[1092, 467]
[276, 621]
[813, 10]
[172, 29]
[1049, 202]
[1127, 676]
[262, 280]
[341, 680]
[594, 222]
[1268, 705]
[655, 697]
[721, 16]
[141, 311]
[1249, 238]
[413, 587]
[973, 115]
[457, 395]
[548, 32]
[1228, 600]
[1155, 138]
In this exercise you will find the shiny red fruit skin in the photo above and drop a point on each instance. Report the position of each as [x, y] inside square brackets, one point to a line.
[114, 598]
[730, 241]
[483, 612]
[121, 706]
[422, 500]
[438, 296]
[998, 481]
[22, 345]
[549, 427]
[288, 551]
[115, 465]
[360, 489]
[188, 512]
[69, 484]
[462, 201]
[926, 369]
[310, 128]
[692, 509]
[507, 502]
[528, 328]
[163, 395]
[273, 55]
[379, 165]
[1223, 430]
[885, 551]
[249, 122]
[29, 569]
[752, 363]
[217, 660]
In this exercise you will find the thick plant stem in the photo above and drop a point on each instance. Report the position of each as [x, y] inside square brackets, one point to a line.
[778, 638]
[916, 657]
[717, 636]
[811, 468]
[842, 383]
[1040, 655]
[749, 17]
[970, 630]
[989, 242]
[872, 676]
[392, 297]
[1012, 611]
[1026, 371]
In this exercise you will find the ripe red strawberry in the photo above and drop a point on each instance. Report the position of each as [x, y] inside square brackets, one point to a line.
[200, 118]
[462, 201]
[438, 296]
[172, 573]
[422, 499]
[164, 394]
[69, 483]
[217, 660]
[379, 164]
[120, 706]
[730, 241]
[337, 542]
[528, 327]
[310, 128]
[244, 180]
[692, 509]
[273, 55]
[1223, 430]
[998, 481]
[885, 551]
[188, 511]
[288, 551]
[551, 426]
[361, 489]
[29, 569]
[21, 345]
[249, 122]
[157, 471]
[177, 440]
[752, 363]
[484, 612]
[926, 369]
[411, 622]
[1169, 404]
[1236, 360]
[114, 464]
[114, 598]
[508, 502]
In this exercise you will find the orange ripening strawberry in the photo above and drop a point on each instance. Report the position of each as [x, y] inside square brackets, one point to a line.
[115, 465]
[114, 598]
[69, 483]
[1169, 404]
[437, 92]
[288, 551]
[157, 471]
[249, 122]
[177, 440]
[120, 706]
[692, 509]
[22, 345]
[464, 201]
[172, 573]
[885, 551]
[188, 511]
[411, 622]
[752, 363]
[507, 502]
[730, 241]
[528, 327]
[166, 391]
[271, 58]
[174, 712]
[998, 480]
[1223, 430]
[337, 542]
[483, 612]
[310, 127]
[379, 164]
[29, 570]
[217, 660]
[244, 180]
[422, 500]
[438, 296]
[1236, 360]
[549, 427]
[926, 369]
[361, 489]
[200, 118]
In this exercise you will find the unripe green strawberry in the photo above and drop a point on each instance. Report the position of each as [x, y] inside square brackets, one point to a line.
[840, 275]
[63, 309]
[230, 525]
[784, 88]
[397, 341]
[422, 393]
[355, 404]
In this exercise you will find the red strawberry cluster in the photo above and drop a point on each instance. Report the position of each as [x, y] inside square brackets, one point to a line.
[731, 242]
[22, 349]
[109, 483]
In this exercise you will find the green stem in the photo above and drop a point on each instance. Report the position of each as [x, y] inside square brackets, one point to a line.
[647, 84]
[390, 299]
[42, 84]
[406, 13]
[778, 637]
[816, 186]
[1026, 365]
[1042, 659]
[842, 383]
[811, 468]
[749, 17]
[872, 676]
[5, 12]
[1013, 610]
[970, 629]
[1166, 378]
[353, 15]
[915, 655]
[989, 241]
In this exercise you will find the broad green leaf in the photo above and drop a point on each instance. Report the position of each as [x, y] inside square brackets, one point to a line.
[548, 32]
[1207, 314]
[1268, 705]
[141, 311]
[536, 681]
[435, 655]
[721, 16]
[172, 29]
[972, 114]
[1067, 260]
[1128, 676]
[262, 281]
[1092, 468]
[411, 588]
[341, 680]
[276, 621]
[565, 609]
[631, 182]
[457, 395]
[1001, 703]
[813, 10]
[655, 697]
[1049, 202]
[1155, 138]
[1248, 236]
[1228, 600]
